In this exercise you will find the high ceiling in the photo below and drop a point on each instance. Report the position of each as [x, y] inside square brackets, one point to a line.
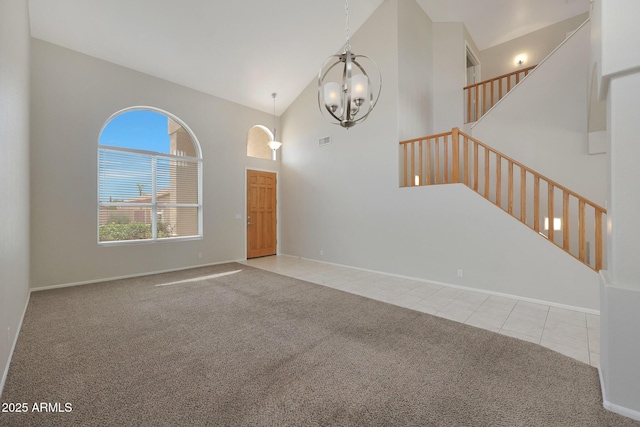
[491, 22]
[243, 50]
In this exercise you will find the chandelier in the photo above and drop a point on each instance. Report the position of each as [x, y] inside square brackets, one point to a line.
[344, 87]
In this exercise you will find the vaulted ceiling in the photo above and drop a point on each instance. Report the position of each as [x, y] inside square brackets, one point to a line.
[243, 50]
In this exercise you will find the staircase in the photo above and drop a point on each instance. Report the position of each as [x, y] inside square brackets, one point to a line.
[480, 97]
[556, 213]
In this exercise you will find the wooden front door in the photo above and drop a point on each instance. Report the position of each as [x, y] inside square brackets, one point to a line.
[261, 214]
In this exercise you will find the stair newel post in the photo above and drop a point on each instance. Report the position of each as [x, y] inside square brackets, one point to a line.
[455, 154]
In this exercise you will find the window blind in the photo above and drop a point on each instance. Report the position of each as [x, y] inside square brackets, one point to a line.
[147, 195]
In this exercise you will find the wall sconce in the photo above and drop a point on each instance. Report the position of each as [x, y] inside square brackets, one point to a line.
[557, 224]
[520, 59]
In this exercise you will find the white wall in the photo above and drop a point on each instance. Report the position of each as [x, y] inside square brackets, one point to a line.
[542, 123]
[14, 173]
[72, 97]
[329, 191]
[450, 41]
[498, 60]
[342, 204]
[620, 35]
[449, 63]
[415, 71]
[620, 346]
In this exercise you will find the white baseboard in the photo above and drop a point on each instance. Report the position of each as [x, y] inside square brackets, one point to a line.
[129, 276]
[466, 288]
[13, 346]
[629, 413]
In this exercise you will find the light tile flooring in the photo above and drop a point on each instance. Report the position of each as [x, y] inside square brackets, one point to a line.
[572, 333]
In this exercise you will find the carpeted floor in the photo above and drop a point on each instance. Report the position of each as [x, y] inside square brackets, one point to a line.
[255, 348]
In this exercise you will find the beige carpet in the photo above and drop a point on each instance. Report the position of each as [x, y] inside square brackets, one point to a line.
[254, 348]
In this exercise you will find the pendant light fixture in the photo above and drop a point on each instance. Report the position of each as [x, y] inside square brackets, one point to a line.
[274, 144]
[344, 87]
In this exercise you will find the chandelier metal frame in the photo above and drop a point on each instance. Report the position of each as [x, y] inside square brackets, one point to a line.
[351, 101]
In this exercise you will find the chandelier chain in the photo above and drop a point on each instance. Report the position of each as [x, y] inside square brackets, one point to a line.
[347, 46]
[273, 95]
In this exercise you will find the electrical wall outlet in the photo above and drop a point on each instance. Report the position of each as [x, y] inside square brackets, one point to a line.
[459, 273]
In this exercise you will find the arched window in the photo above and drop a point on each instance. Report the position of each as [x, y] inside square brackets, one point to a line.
[149, 178]
[258, 142]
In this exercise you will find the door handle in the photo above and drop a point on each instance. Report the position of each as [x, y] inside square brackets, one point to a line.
[249, 223]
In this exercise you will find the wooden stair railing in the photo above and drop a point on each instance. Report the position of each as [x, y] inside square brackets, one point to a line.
[542, 204]
[480, 97]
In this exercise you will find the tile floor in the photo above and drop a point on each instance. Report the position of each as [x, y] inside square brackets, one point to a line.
[573, 333]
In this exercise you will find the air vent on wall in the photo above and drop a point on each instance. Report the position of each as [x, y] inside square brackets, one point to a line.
[324, 141]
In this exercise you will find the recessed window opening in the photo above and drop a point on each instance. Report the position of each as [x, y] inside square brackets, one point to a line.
[149, 178]
[258, 142]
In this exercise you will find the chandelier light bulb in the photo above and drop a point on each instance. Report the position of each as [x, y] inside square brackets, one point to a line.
[359, 87]
[332, 96]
